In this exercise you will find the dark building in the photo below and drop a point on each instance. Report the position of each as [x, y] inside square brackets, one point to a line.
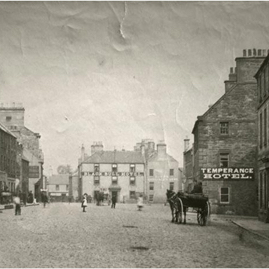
[225, 141]
[8, 154]
[262, 77]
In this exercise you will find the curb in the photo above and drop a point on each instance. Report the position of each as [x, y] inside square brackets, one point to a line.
[250, 231]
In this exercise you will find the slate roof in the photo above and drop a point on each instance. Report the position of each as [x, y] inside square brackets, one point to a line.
[62, 179]
[115, 157]
[5, 129]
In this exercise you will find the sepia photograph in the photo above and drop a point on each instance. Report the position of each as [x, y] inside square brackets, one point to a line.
[134, 134]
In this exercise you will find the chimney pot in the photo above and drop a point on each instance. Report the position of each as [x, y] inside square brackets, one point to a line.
[259, 52]
[254, 52]
[231, 70]
[249, 52]
[264, 52]
[244, 53]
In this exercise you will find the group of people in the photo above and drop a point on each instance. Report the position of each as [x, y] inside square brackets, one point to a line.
[113, 200]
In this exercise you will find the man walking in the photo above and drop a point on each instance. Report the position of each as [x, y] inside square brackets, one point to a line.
[114, 201]
[17, 203]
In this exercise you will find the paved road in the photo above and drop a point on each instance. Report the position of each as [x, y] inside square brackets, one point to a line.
[60, 235]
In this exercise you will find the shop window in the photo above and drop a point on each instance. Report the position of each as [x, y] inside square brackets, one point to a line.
[57, 187]
[151, 198]
[132, 180]
[171, 172]
[151, 172]
[225, 195]
[224, 159]
[171, 186]
[224, 128]
[132, 195]
[151, 186]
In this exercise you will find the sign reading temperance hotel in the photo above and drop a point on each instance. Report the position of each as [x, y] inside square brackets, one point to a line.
[227, 173]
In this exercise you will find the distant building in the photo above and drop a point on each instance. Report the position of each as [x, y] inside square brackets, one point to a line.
[162, 173]
[58, 187]
[262, 77]
[12, 116]
[115, 173]
[225, 141]
[188, 183]
[8, 155]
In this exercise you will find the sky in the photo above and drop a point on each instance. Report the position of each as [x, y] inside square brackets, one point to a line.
[120, 72]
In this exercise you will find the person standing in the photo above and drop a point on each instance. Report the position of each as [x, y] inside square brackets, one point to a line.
[84, 203]
[17, 202]
[140, 202]
[114, 201]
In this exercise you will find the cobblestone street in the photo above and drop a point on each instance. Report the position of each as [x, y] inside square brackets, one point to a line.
[60, 235]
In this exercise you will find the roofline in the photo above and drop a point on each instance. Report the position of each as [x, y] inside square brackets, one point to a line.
[262, 66]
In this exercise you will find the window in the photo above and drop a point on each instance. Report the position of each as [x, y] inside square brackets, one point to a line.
[171, 186]
[151, 198]
[224, 128]
[96, 180]
[171, 173]
[224, 159]
[67, 187]
[8, 118]
[132, 168]
[57, 187]
[132, 180]
[225, 195]
[260, 130]
[132, 195]
[114, 180]
[151, 172]
[151, 186]
[96, 168]
[114, 168]
[265, 127]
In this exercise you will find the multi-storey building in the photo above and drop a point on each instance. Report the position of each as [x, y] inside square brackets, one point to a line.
[12, 116]
[8, 155]
[161, 173]
[225, 141]
[58, 187]
[188, 166]
[262, 77]
[119, 173]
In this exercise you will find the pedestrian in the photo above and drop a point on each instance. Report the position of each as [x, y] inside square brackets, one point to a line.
[17, 202]
[140, 202]
[114, 201]
[197, 189]
[84, 203]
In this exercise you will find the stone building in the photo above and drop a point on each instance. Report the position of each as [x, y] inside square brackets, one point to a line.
[225, 141]
[262, 77]
[162, 173]
[58, 187]
[12, 116]
[119, 173]
[8, 155]
[188, 166]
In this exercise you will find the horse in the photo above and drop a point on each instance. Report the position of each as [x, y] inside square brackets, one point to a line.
[177, 206]
[171, 199]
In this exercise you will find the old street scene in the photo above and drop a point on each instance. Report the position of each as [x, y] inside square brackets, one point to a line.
[134, 134]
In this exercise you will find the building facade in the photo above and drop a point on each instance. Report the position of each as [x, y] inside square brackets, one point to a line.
[12, 116]
[188, 167]
[162, 173]
[8, 158]
[225, 142]
[58, 188]
[262, 77]
[119, 173]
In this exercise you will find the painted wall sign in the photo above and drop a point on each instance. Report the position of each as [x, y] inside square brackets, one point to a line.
[120, 174]
[227, 173]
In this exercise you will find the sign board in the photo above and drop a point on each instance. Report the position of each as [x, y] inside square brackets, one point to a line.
[227, 173]
[34, 171]
[131, 174]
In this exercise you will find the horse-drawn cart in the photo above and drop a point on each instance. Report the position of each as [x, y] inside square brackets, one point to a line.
[180, 202]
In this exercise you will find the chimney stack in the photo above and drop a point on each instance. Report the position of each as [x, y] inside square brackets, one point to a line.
[82, 153]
